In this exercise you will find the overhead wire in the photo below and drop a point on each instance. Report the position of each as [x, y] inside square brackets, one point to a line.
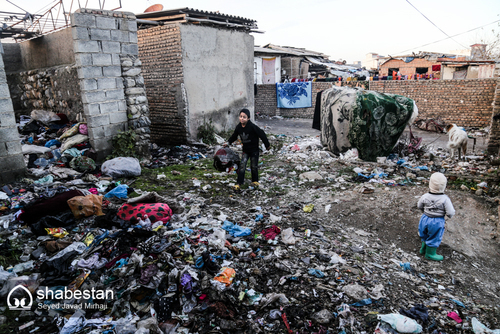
[444, 39]
[434, 24]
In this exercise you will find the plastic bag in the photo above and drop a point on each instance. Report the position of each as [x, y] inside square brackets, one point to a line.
[401, 323]
[57, 232]
[479, 328]
[118, 192]
[287, 236]
[85, 206]
[236, 230]
[226, 276]
[217, 239]
[225, 158]
[121, 167]
[44, 116]
[323, 317]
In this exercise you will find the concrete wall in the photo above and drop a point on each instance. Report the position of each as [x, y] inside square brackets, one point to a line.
[12, 57]
[218, 75]
[11, 158]
[463, 102]
[266, 101]
[48, 50]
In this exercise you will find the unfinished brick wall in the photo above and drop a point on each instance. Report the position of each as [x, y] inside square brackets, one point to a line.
[494, 137]
[406, 68]
[463, 102]
[161, 54]
[266, 103]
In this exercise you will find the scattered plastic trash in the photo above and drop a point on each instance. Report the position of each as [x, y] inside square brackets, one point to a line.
[401, 323]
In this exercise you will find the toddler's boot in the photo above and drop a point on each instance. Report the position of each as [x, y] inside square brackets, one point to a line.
[422, 249]
[430, 253]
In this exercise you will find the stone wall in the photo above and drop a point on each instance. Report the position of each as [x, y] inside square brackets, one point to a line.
[266, 101]
[56, 89]
[101, 38]
[11, 158]
[161, 54]
[463, 102]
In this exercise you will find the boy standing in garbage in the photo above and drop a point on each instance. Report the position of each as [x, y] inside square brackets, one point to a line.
[249, 134]
[435, 205]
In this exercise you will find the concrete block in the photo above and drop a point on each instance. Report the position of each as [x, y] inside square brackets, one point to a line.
[93, 96]
[132, 25]
[98, 120]
[105, 22]
[118, 117]
[122, 105]
[83, 20]
[113, 129]
[7, 119]
[119, 36]
[115, 94]
[91, 109]
[112, 71]
[86, 46]
[115, 59]
[81, 33]
[110, 47]
[9, 134]
[103, 144]
[6, 105]
[109, 107]
[88, 84]
[134, 91]
[90, 72]
[132, 37]
[12, 175]
[100, 34]
[14, 147]
[96, 133]
[83, 59]
[119, 83]
[4, 91]
[3, 150]
[106, 83]
[101, 59]
[130, 49]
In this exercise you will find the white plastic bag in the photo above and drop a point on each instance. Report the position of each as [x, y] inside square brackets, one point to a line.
[44, 116]
[287, 236]
[479, 328]
[121, 167]
[401, 323]
[218, 238]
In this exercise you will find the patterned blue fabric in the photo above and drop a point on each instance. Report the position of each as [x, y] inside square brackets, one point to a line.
[294, 95]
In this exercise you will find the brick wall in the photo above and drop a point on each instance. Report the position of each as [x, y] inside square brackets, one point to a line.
[406, 68]
[494, 138]
[161, 54]
[266, 103]
[463, 102]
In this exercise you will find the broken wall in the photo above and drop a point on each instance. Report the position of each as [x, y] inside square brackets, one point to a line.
[266, 100]
[463, 102]
[11, 158]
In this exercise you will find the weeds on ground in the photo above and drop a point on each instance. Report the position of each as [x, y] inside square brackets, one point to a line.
[124, 144]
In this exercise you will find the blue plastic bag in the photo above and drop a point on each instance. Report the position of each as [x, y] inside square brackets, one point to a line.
[118, 192]
[236, 230]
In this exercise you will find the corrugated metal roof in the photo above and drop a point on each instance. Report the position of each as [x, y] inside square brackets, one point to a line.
[196, 13]
[258, 49]
[295, 51]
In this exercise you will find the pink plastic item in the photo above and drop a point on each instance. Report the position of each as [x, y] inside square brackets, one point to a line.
[83, 129]
[455, 317]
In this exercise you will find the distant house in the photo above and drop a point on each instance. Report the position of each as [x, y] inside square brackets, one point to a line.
[298, 63]
[372, 61]
[422, 64]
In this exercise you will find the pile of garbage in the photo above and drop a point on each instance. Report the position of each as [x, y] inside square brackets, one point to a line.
[97, 255]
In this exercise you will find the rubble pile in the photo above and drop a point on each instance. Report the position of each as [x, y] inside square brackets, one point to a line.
[198, 258]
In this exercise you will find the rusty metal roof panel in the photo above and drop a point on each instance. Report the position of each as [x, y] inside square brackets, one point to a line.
[196, 13]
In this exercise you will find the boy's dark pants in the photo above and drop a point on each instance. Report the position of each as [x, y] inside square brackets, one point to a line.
[254, 162]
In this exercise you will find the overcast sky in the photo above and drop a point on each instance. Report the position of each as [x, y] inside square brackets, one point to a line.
[342, 29]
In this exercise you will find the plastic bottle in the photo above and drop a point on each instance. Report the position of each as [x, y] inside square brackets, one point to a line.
[401, 323]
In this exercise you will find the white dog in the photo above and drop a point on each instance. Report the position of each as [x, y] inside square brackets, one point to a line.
[457, 139]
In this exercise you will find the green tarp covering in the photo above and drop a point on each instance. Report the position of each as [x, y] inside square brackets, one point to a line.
[370, 121]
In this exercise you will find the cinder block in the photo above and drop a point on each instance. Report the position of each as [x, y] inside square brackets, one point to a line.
[4, 91]
[132, 25]
[112, 71]
[90, 72]
[96, 133]
[83, 20]
[88, 84]
[14, 147]
[119, 83]
[116, 94]
[7, 119]
[6, 104]
[106, 83]
[132, 37]
[9, 134]
[113, 129]
[103, 144]
[98, 120]
[119, 36]
[100, 34]
[115, 59]
[83, 59]
[130, 49]
[110, 47]
[109, 107]
[118, 117]
[101, 59]
[93, 96]
[81, 33]
[105, 22]
[86, 46]
[122, 105]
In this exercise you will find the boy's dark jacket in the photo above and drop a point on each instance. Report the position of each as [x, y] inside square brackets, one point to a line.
[249, 135]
